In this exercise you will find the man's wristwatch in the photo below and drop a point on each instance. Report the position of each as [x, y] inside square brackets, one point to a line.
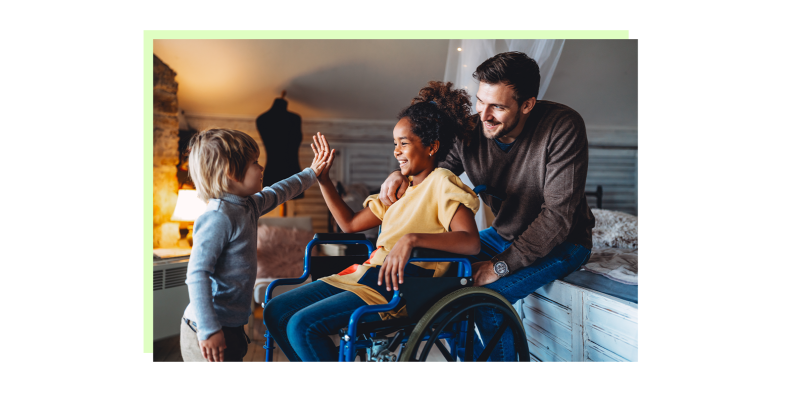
[501, 269]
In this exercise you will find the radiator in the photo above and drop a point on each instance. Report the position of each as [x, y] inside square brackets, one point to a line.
[170, 295]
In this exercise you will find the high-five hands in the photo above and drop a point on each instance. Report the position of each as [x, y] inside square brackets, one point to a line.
[323, 157]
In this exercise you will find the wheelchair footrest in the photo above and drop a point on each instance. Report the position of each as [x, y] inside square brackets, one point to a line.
[383, 327]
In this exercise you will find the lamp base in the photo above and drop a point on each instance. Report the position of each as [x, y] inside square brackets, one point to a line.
[186, 240]
[189, 234]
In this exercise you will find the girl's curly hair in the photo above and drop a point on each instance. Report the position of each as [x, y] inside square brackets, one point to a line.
[439, 113]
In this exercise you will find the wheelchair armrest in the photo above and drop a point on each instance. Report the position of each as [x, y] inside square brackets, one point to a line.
[434, 253]
[340, 237]
[465, 267]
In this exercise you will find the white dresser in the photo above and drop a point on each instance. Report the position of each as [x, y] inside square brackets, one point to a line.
[565, 322]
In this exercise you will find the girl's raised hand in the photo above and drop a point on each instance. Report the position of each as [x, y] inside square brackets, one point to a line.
[324, 156]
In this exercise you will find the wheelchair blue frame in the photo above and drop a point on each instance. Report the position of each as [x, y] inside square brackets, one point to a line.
[348, 344]
[347, 352]
[301, 279]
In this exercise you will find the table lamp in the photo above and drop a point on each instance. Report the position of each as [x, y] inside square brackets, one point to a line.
[188, 208]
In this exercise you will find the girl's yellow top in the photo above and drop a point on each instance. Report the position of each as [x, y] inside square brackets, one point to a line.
[427, 208]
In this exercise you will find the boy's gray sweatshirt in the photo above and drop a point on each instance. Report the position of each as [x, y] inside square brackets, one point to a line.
[222, 267]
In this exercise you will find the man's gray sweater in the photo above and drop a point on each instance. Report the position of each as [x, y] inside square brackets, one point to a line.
[222, 268]
[536, 190]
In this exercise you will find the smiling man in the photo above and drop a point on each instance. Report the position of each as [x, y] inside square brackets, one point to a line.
[533, 156]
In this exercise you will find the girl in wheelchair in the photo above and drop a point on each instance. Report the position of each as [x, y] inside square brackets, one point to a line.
[436, 212]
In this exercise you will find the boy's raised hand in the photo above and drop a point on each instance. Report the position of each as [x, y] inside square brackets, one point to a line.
[323, 158]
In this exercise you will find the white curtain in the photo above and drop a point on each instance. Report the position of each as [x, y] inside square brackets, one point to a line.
[465, 55]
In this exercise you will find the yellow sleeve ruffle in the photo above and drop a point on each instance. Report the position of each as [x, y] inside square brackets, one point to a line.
[375, 205]
[452, 193]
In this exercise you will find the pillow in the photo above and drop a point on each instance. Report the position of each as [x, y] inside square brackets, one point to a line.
[614, 229]
[280, 251]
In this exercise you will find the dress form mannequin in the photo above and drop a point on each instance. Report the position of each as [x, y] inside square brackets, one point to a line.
[281, 133]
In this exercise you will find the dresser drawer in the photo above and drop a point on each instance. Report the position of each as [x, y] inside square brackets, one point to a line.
[611, 316]
[557, 291]
[536, 303]
[556, 325]
[548, 326]
[610, 329]
[615, 344]
[593, 352]
[542, 342]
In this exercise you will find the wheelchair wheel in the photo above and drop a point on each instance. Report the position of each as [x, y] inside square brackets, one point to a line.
[460, 307]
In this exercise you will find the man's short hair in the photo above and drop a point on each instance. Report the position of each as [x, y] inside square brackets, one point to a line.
[217, 153]
[514, 69]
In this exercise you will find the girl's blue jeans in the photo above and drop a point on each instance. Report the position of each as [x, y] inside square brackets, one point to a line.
[560, 262]
[302, 320]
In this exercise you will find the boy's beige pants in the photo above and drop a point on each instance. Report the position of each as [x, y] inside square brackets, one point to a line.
[236, 343]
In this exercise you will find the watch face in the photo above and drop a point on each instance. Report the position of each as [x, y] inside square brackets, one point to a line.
[501, 268]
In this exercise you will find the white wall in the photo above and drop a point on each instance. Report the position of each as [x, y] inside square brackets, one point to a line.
[599, 79]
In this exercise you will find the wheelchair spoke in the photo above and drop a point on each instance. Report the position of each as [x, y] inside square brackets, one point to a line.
[458, 310]
[445, 351]
[395, 341]
[432, 337]
[494, 341]
[470, 335]
[438, 329]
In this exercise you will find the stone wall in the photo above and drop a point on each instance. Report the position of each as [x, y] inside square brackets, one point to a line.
[166, 154]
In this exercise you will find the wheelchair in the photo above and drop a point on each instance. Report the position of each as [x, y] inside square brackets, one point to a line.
[439, 309]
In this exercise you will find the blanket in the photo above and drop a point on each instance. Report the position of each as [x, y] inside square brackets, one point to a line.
[616, 264]
[615, 252]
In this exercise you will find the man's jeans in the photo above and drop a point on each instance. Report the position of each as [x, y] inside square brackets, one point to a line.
[301, 320]
[560, 262]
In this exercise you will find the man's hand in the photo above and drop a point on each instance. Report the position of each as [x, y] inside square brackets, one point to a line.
[484, 273]
[214, 347]
[393, 188]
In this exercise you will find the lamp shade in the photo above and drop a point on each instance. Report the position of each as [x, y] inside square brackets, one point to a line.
[188, 206]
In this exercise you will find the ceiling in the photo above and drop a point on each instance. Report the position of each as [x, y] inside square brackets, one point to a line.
[324, 79]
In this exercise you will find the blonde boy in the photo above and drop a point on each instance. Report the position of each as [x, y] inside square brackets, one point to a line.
[222, 269]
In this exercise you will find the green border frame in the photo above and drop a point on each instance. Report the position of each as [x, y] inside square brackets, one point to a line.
[148, 104]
